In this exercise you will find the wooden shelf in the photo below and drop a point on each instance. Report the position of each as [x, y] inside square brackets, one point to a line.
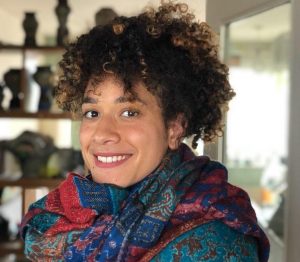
[38, 115]
[11, 247]
[16, 247]
[32, 48]
[32, 182]
[42, 55]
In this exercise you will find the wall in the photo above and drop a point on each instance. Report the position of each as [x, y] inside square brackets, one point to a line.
[217, 12]
[80, 19]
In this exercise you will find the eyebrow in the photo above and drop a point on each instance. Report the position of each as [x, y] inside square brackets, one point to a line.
[89, 100]
[119, 100]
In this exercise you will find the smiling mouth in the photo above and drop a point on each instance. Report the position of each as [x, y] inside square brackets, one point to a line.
[110, 159]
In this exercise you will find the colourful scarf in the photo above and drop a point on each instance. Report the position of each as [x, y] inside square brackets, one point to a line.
[85, 221]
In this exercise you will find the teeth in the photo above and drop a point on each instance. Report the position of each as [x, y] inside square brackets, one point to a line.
[110, 159]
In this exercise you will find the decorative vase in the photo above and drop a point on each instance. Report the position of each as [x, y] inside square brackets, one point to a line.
[63, 161]
[12, 80]
[4, 231]
[104, 16]
[30, 26]
[44, 77]
[62, 11]
[1, 95]
[32, 150]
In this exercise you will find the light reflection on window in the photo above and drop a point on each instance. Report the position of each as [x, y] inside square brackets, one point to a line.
[256, 137]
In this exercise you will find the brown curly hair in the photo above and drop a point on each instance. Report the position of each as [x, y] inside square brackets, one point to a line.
[175, 57]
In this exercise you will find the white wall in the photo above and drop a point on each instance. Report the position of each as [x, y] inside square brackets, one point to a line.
[218, 11]
[80, 19]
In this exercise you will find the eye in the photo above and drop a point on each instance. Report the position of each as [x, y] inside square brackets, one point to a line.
[90, 114]
[130, 113]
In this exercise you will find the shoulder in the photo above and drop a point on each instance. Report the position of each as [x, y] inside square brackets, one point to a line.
[213, 241]
[208, 167]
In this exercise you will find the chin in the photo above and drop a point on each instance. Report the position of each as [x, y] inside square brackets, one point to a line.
[114, 182]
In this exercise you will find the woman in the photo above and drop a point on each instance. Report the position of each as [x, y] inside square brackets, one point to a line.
[141, 85]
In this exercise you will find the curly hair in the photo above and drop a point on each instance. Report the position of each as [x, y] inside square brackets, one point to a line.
[175, 57]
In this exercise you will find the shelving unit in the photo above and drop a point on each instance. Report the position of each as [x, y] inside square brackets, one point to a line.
[27, 183]
[12, 247]
[28, 58]
[38, 115]
[27, 186]
[41, 55]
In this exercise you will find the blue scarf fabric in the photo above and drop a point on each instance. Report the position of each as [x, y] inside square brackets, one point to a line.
[85, 221]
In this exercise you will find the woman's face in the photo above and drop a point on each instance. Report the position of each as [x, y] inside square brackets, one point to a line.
[122, 141]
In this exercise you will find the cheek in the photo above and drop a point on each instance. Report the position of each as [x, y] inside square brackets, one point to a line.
[152, 140]
[141, 135]
[84, 139]
[84, 135]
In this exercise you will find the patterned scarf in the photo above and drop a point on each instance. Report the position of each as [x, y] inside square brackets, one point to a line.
[85, 221]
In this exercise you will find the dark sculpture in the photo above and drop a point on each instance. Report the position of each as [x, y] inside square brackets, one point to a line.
[62, 11]
[12, 80]
[30, 26]
[4, 232]
[39, 157]
[44, 77]
[104, 16]
[65, 160]
[32, 150]
[1, 95]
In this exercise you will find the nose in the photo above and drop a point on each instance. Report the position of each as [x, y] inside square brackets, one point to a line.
[106, 131]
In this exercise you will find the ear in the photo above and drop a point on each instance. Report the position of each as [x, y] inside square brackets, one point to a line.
[176, 131]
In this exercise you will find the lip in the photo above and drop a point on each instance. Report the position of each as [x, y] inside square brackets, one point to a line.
[112, 164]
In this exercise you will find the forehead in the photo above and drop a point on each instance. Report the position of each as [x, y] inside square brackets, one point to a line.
[111, 88]
[95, 84]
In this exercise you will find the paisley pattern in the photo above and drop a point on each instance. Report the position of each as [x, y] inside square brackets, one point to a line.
[210, 242]
[85, 221]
